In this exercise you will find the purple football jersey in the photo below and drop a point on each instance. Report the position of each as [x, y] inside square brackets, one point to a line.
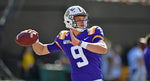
[85, 65]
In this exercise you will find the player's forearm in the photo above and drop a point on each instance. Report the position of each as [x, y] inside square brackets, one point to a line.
[40, 49]
[97, 48]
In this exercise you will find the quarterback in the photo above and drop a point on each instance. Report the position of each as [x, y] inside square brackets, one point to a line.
[82, 45]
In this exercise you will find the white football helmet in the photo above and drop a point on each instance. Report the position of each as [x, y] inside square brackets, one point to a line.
[69, 15]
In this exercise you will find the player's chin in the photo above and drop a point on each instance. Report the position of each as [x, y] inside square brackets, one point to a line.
[81, 25]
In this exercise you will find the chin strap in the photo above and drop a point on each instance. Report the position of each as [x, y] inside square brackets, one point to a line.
[80, 29]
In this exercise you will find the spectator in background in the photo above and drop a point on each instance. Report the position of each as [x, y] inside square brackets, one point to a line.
[117, 63]
[147, 57]
[111, 68]
[136, 63]
[105, 62]
[28, 64]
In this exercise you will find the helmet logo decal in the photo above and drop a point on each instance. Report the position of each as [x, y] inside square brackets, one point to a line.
[72, 9]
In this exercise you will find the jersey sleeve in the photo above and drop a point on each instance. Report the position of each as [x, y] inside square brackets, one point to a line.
[97, 33]
[53, 47]
[62, 35]
[58, 44]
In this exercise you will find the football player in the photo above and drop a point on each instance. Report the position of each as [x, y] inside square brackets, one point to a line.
[81, 45]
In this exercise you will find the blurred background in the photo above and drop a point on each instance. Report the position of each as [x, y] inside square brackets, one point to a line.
[123, 23]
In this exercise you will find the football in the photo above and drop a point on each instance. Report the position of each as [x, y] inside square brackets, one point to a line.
[26, 38]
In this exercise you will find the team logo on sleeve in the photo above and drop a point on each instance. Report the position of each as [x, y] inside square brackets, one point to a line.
[66, 41]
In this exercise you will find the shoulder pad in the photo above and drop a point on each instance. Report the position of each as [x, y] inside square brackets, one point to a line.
[62, 34]
[95, 29]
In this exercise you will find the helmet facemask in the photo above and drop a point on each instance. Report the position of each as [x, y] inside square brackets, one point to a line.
[78, 28]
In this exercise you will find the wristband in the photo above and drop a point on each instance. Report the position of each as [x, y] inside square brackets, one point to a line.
[79, 43]
[83, 44]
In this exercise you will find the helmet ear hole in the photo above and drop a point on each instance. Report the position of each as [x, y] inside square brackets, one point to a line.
[68, 22]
